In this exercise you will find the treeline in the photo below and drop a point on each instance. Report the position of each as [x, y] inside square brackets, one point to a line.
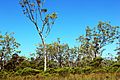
[62, 59]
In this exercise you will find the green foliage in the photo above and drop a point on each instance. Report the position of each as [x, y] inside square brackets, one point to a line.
[113, 69]
[100, 70]
[50, 70]
[116, 65]
[3, 74]
[63, 71]
[96, 62]
[94, 41]
[25, 64]
[76, 70]
[27, 71]
[8, 47]
[52, 64]
[118, 70]
[87, 70]
[61, 60]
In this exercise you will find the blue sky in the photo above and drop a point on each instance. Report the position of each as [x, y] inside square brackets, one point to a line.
[73, 17]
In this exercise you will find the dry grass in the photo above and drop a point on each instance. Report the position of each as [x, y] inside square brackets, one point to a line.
[100, 76]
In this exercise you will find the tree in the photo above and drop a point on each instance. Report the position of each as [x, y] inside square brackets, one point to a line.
[57, 53]
[33, 9]
[8, 46]
[95, 39]
[118, 45]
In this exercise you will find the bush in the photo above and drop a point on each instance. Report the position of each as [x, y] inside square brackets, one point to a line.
[116, 65]
[99, 71]
[118, 70]
[25, 64]
[87, 69]
[76, 70]
[96, 62]
[113, 69]
[63, 71]
[50, 70]
[3, 74]
[40, 67]
[27, 71]
[18, 72]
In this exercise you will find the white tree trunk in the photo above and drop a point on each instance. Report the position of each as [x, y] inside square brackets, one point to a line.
[45, 62]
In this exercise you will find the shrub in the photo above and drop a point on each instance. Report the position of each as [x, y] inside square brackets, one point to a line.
[25, 64]
[96, 62]
[40, 67]
[50, 70]
[116, 65]
[63, 71]
[99, 71]
[118, 70]
[87, 69]
[18, 72]
[76, 70]
[113, 69]
[27, 71]
[3, 74]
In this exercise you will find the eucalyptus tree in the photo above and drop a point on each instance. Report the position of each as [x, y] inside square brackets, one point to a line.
[118, 46]
[37, 14]
[8, 46]
[94, 41]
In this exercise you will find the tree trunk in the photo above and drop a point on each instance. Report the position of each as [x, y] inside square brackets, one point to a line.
[44, 46]
[60, 61]
[45, 62]
[95, 54]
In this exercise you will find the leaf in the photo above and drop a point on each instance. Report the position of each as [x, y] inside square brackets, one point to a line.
[53, 16]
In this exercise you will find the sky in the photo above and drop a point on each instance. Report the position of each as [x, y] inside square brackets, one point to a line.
[73, 17]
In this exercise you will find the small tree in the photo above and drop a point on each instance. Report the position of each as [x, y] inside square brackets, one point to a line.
[8, 46]
[33, 9]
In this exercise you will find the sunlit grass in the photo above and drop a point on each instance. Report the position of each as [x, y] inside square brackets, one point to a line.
[93, 76]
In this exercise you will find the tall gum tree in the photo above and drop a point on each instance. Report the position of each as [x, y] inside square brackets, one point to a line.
[39, 16]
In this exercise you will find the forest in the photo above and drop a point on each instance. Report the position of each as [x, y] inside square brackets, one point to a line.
[56, 60]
